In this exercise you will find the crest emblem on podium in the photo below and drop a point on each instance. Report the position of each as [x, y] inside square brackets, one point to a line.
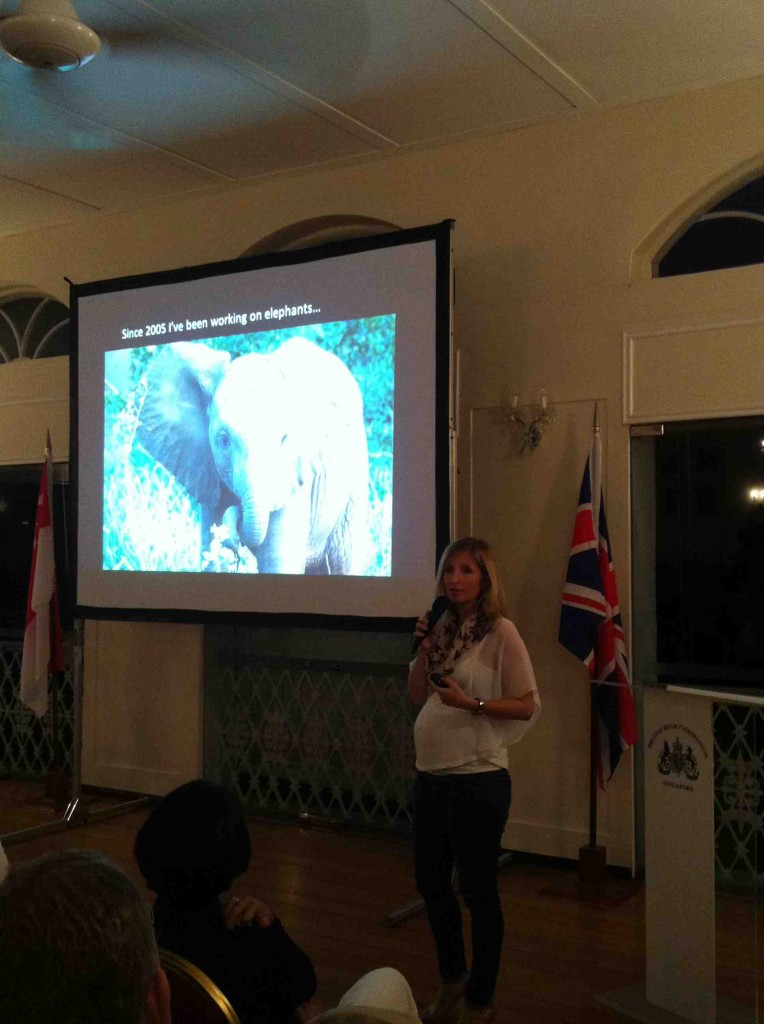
[678, 760]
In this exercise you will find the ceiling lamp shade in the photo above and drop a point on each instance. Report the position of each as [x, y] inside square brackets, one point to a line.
[47, 34]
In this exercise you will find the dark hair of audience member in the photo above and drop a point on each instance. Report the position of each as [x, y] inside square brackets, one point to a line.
[193, 844]
[76, 943]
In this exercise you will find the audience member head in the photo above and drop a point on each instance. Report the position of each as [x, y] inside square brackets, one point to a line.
[193, 844]
[77, 945]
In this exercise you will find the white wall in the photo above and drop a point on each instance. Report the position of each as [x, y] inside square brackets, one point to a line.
[552, 226]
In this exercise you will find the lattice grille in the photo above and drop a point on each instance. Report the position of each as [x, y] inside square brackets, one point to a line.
[26, 742]
[739, 794]
[336, 742]
[324, 740]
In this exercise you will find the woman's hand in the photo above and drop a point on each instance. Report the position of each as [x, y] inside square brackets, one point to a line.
[420, 631]
[419, 687]
[452, 695]
[239, 911]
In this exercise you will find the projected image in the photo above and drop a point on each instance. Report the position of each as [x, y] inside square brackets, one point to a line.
[269, 452]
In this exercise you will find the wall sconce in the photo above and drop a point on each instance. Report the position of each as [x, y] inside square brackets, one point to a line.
[527, 422]
[756, 495]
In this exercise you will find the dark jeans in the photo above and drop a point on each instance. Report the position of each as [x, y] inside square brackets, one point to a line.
[458, 821]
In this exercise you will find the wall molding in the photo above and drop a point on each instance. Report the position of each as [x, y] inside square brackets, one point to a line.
[706, 370]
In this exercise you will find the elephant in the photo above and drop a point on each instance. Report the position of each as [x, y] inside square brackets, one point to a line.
[271, 445]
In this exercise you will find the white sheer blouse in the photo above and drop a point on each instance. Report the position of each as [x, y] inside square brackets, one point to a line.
[452, 738]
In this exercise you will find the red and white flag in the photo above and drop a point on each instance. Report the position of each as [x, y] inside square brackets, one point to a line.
[43, 647]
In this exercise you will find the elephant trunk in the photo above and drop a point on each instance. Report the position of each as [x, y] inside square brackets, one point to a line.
[254, 523]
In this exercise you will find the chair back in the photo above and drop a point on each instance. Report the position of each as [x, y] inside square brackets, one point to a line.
[195, 998]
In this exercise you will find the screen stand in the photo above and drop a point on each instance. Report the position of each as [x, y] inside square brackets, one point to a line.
[76, 812]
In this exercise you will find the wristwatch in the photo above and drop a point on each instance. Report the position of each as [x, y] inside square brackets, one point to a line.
[480, 705]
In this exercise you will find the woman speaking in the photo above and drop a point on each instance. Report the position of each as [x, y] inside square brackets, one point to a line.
[473, 675]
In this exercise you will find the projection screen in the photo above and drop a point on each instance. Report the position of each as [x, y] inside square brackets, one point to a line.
[267, 436]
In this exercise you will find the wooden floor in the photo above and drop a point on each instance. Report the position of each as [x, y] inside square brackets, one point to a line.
[333, 889]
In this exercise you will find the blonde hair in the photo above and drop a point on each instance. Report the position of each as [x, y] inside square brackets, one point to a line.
[491, 602]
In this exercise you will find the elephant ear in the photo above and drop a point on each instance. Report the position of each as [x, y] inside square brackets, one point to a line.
[174, 420]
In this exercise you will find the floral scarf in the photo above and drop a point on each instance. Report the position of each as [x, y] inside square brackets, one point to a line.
[451, 641]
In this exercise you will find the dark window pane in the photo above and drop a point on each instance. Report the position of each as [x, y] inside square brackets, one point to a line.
[715, 245]
[710, 553]
[19, 489]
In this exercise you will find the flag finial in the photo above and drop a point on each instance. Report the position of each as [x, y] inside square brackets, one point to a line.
[596, 419]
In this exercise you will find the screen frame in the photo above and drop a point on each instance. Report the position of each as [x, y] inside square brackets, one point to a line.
[442, 235]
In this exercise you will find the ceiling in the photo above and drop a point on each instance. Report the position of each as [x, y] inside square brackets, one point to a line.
[206, 95]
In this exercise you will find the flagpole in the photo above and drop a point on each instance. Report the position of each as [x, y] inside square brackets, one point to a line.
[592, 859]
[593, 739]
[591, 629]
[56, 782]
[592, 766]
[593, 744]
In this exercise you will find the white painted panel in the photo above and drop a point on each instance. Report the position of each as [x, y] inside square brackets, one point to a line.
[412, 71]
[680, 908]
[34, 398]
[142, 705]
[288, 138]
[625, 51]
[108, 178]
[696, 372]
[25, 208]
[434, 73]
[545, 836]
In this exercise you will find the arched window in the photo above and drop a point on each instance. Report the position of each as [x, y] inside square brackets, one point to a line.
[319, 230]
[729, 234]
[32, 326]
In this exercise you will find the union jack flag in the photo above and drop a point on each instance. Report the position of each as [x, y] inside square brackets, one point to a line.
[590, 620]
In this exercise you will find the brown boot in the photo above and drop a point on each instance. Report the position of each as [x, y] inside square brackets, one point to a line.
[449, 1003]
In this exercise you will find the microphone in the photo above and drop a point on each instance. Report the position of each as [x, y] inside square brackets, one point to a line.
[439, 605]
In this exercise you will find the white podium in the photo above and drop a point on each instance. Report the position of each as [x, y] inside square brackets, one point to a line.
[680, 918]
[680, 894]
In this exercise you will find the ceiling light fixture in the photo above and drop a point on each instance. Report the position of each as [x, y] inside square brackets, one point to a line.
[48, 34]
